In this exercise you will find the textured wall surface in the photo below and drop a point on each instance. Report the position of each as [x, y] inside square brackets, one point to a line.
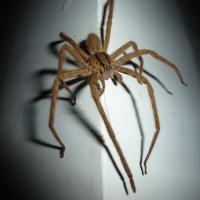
[30, 166]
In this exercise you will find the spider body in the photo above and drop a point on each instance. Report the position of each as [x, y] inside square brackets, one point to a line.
[96, 66]
[99, 62]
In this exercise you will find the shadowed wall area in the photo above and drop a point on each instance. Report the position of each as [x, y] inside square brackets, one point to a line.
[30, 164]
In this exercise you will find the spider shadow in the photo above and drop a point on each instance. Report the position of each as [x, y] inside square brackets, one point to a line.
[133, 64]
[45, 94]
[103, 22]
[91, 130]
[30, 108]
[136, 67]
[31, 114]
[139, 124]
[98, 137]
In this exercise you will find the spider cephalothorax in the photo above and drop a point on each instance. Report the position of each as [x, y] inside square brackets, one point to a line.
[96, 66]
[100, 62]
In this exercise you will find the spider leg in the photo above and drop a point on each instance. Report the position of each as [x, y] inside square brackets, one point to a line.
[123, 48]
[66, 48]
[74, 45]
[61, 76]
[96, 98]
[155, 55]
[108, 25]
[154, 107]
[81, 72]
[55, 89]
[117, 78]
[157, 122]
[78, 59]
[73, 101]
[54, 98]
[103, 86]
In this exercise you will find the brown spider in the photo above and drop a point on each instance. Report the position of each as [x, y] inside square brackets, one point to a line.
[96, 65]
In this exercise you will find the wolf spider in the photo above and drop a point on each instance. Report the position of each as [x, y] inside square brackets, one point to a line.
[97, 65]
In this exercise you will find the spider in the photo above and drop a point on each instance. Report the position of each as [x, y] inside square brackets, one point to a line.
[96, 66]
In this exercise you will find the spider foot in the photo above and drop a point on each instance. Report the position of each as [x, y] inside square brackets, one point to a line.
[133, 185]
[73, 101]
[142, 170]
[139, 79]
[145, 168]
[62, 152]
[185, 84]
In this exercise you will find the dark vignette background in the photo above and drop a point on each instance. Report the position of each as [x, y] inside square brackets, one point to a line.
[16, 168]
[11, 19]
[189, 11]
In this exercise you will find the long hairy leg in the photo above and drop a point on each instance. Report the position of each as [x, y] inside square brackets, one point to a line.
[96, 98]
[103, 85]
[154, 107]
[81, 72]
[65, 85]
[78, 59]
[54, 98]
[157, 122]
[61, 59]
[117, 78]
[67, 49]
[74, 45]
[108, 25]
[55, 89]
[59, 81]
[123, 48]
[155, 55]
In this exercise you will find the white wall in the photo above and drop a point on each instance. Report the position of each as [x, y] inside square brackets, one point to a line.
[31, 169]
[173, 165]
